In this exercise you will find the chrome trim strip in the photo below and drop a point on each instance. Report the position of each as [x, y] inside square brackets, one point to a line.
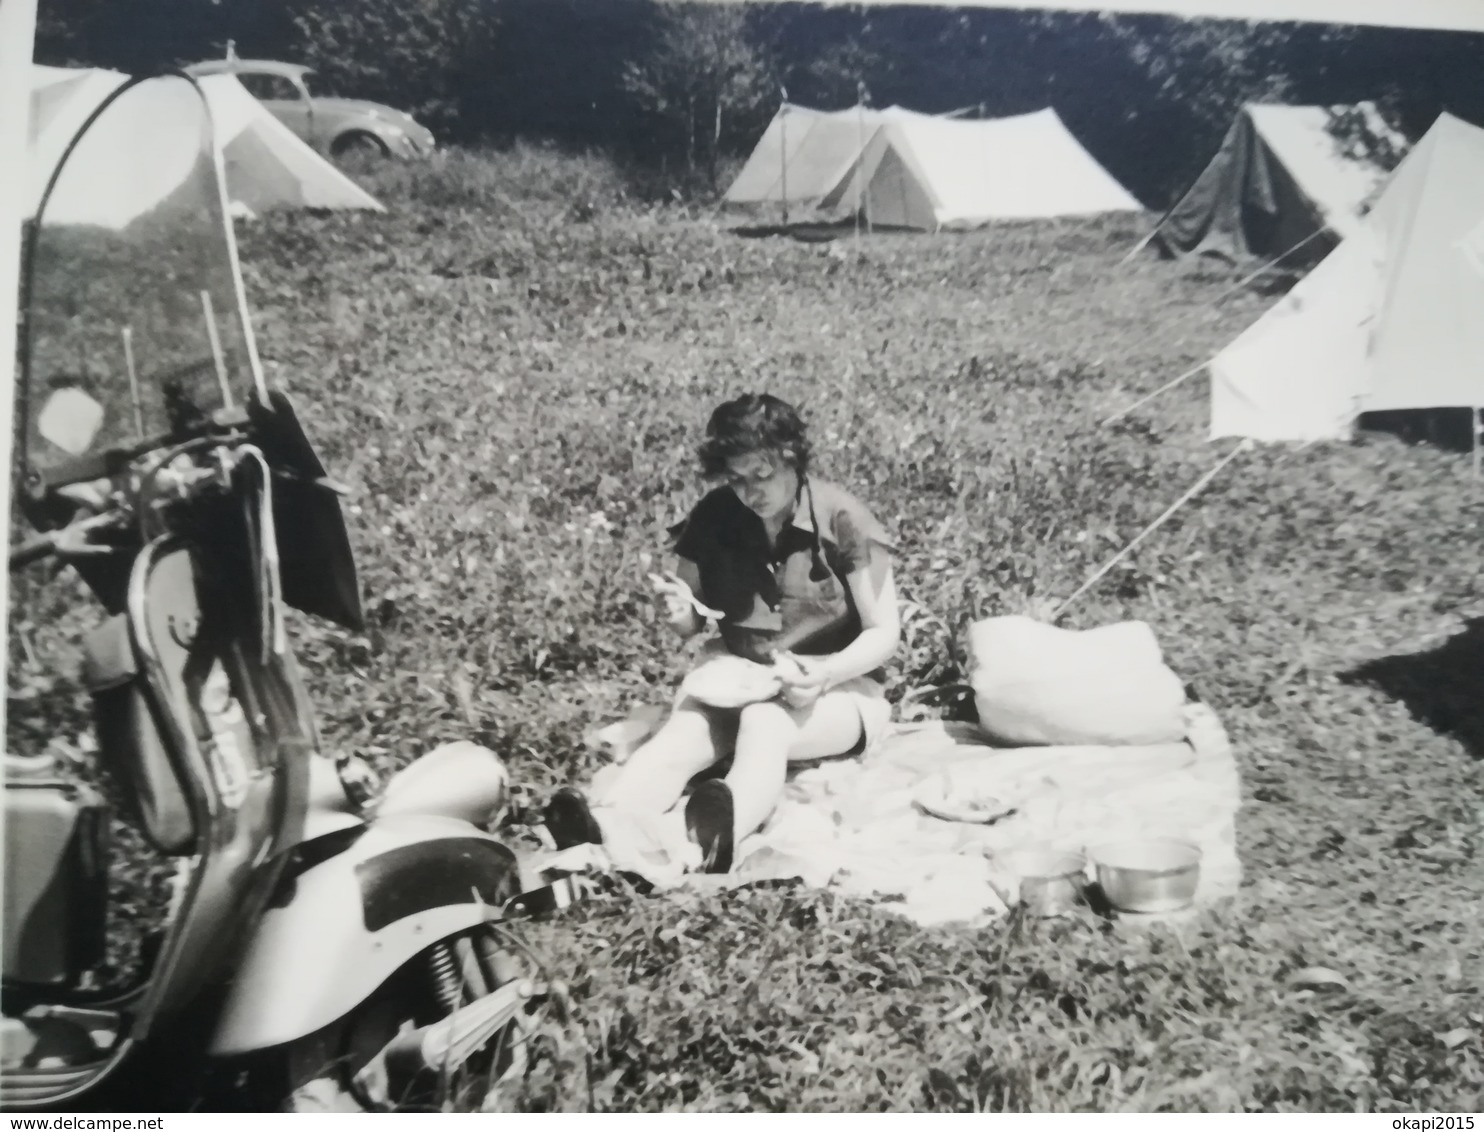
[189, 764]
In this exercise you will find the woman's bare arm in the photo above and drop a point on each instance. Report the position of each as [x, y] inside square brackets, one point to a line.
[691, 623]
[874, 588]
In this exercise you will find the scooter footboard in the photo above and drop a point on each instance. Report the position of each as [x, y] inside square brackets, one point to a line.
[341, 927]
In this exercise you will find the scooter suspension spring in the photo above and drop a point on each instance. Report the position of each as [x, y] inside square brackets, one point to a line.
[446, 982]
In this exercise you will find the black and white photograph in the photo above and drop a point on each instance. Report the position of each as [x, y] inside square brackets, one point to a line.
[743, 556]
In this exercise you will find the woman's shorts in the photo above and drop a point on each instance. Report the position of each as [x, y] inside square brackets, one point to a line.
[870, 700]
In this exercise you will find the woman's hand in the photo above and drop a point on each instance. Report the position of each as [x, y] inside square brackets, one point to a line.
[91, 497]
[805, 678]
[682, 609]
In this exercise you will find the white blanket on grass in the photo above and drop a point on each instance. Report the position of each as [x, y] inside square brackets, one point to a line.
[852, 824]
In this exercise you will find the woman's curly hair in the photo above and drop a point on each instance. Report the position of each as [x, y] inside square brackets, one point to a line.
[754, 422]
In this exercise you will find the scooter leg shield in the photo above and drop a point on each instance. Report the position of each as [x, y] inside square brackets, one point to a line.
[340, 928]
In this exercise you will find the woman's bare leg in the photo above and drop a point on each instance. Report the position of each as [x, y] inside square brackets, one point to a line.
[653, 778]
[769, 735]
[831, 727]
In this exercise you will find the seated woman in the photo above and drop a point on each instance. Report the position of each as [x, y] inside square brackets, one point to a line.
[801, 572]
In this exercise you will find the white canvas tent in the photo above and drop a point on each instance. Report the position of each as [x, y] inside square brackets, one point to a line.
[1469, 267]
[1280, 178]
[801, 156]
[1389, 320]
[61, 100]
[898, 168]
[267, 166]
[140, 153]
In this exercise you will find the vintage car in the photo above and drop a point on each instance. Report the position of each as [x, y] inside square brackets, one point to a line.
[335, 126]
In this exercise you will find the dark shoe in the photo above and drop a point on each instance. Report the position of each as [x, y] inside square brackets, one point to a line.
[709, 820]
[570, 821]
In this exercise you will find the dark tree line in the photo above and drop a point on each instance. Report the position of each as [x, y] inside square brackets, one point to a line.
[685, 84]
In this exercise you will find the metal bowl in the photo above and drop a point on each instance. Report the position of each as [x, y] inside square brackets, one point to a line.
[1051, 882]
[1157, 874]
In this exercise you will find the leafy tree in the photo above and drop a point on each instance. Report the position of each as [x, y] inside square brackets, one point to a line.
[419, 55]
[704, 76]
[1210, 66]
[837, 75]
[143, 36]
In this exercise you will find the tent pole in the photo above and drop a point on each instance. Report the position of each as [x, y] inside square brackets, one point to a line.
[783, 145]
[1142, 244]
[860, 157]
[128, 334]
[865, 96]
[1476, 422]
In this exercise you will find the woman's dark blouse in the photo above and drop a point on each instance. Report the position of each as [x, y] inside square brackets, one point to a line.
[793, 596]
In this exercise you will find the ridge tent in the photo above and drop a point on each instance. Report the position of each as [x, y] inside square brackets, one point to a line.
[266, 165]
[924, 172]
[1280, 178]
[898, 168]
[1383, 323]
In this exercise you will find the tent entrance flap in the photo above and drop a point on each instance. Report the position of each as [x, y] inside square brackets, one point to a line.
[896, 198]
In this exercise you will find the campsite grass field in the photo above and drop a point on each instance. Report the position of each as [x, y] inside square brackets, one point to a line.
[510, 368]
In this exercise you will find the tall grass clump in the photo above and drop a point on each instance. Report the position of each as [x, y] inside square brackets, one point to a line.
[527, 176]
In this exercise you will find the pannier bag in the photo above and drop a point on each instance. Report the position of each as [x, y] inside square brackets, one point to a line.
[56, 880]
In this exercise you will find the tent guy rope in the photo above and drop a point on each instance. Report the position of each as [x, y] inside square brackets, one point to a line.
[1191, 372]
[1232, 290]
[1191, 493]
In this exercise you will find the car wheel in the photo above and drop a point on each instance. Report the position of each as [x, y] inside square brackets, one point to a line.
[358, 146]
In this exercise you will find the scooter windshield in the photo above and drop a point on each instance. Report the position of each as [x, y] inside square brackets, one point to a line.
[135, 328]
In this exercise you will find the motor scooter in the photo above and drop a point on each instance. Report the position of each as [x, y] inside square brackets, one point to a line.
[329, 944]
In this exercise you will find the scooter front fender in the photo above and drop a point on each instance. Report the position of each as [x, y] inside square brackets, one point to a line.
[338, 929]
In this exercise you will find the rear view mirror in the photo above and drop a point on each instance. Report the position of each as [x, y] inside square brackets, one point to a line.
[70, 419]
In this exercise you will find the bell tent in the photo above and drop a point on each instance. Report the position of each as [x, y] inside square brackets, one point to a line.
[1281, 179]
[1390, 320]
[900, 169]
[266, 165]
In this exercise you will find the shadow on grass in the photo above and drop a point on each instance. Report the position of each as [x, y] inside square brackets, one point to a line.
[805, 233]
[1443, 687]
